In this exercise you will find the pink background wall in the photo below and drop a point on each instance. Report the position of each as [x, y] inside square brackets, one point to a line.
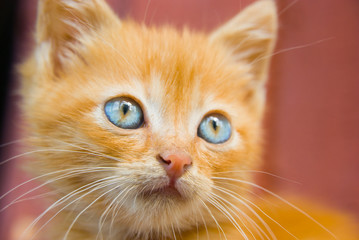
[312, 122]
[313, 117]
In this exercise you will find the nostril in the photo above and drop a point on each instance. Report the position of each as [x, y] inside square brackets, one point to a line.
[165, 161]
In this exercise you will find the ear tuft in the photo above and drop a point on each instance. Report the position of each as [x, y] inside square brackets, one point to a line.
[62, 24]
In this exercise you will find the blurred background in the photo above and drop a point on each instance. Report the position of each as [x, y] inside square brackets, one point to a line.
[312, 121]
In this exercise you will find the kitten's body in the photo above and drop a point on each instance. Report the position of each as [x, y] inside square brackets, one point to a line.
[119, 189]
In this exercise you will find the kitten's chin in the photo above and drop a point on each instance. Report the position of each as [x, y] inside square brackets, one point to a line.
[160, 205]
[165, 208]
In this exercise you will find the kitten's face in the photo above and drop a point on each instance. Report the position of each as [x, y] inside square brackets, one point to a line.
[176, 82]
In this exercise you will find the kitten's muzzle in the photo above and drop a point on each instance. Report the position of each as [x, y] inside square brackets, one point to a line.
[175, 164]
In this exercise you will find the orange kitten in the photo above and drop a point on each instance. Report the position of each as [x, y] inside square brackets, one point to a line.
[151, 133]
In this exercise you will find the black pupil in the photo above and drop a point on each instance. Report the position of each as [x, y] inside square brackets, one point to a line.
[125, 108]
[214, 124]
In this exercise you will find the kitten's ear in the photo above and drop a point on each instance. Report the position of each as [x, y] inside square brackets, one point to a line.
[250, 38]
[62, 26]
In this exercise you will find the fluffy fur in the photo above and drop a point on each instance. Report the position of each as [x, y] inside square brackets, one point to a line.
[107, 177]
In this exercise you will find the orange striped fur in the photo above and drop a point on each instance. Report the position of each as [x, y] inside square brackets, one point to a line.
[85, 56]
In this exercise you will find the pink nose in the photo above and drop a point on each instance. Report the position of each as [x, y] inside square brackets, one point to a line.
[175, 164]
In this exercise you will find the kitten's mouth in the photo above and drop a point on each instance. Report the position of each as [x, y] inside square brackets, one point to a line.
[169, 191]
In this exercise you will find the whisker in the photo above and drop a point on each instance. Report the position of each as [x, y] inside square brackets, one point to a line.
[98, 184]
[262, 172]
[86, 149]
[197, 230]
[287, 7]
[228, 215]
[229, 192]
[146, 10]
[249, 219]
[173, 232]
[85, 209]
[45, 175]
[63, 176]
[39, 196]
[290, 49]
[235, 196]
[53, 150]
[12, 142]
[107, 210]
[205, 225]
[220, 230]
[117, 208]
[281, 199]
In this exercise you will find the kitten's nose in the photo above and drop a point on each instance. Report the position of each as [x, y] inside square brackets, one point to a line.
[175, 164]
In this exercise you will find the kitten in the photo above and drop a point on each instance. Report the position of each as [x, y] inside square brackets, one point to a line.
[152, 133]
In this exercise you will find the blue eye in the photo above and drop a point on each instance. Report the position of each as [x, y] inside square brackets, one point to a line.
[215, 128]
[124, 113]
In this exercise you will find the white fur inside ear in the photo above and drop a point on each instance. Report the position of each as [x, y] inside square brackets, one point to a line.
[65, 23]
[42, 56]
[78, 5]
[251, 33]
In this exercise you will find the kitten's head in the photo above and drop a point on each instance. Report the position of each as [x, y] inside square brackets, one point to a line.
[144, 119]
